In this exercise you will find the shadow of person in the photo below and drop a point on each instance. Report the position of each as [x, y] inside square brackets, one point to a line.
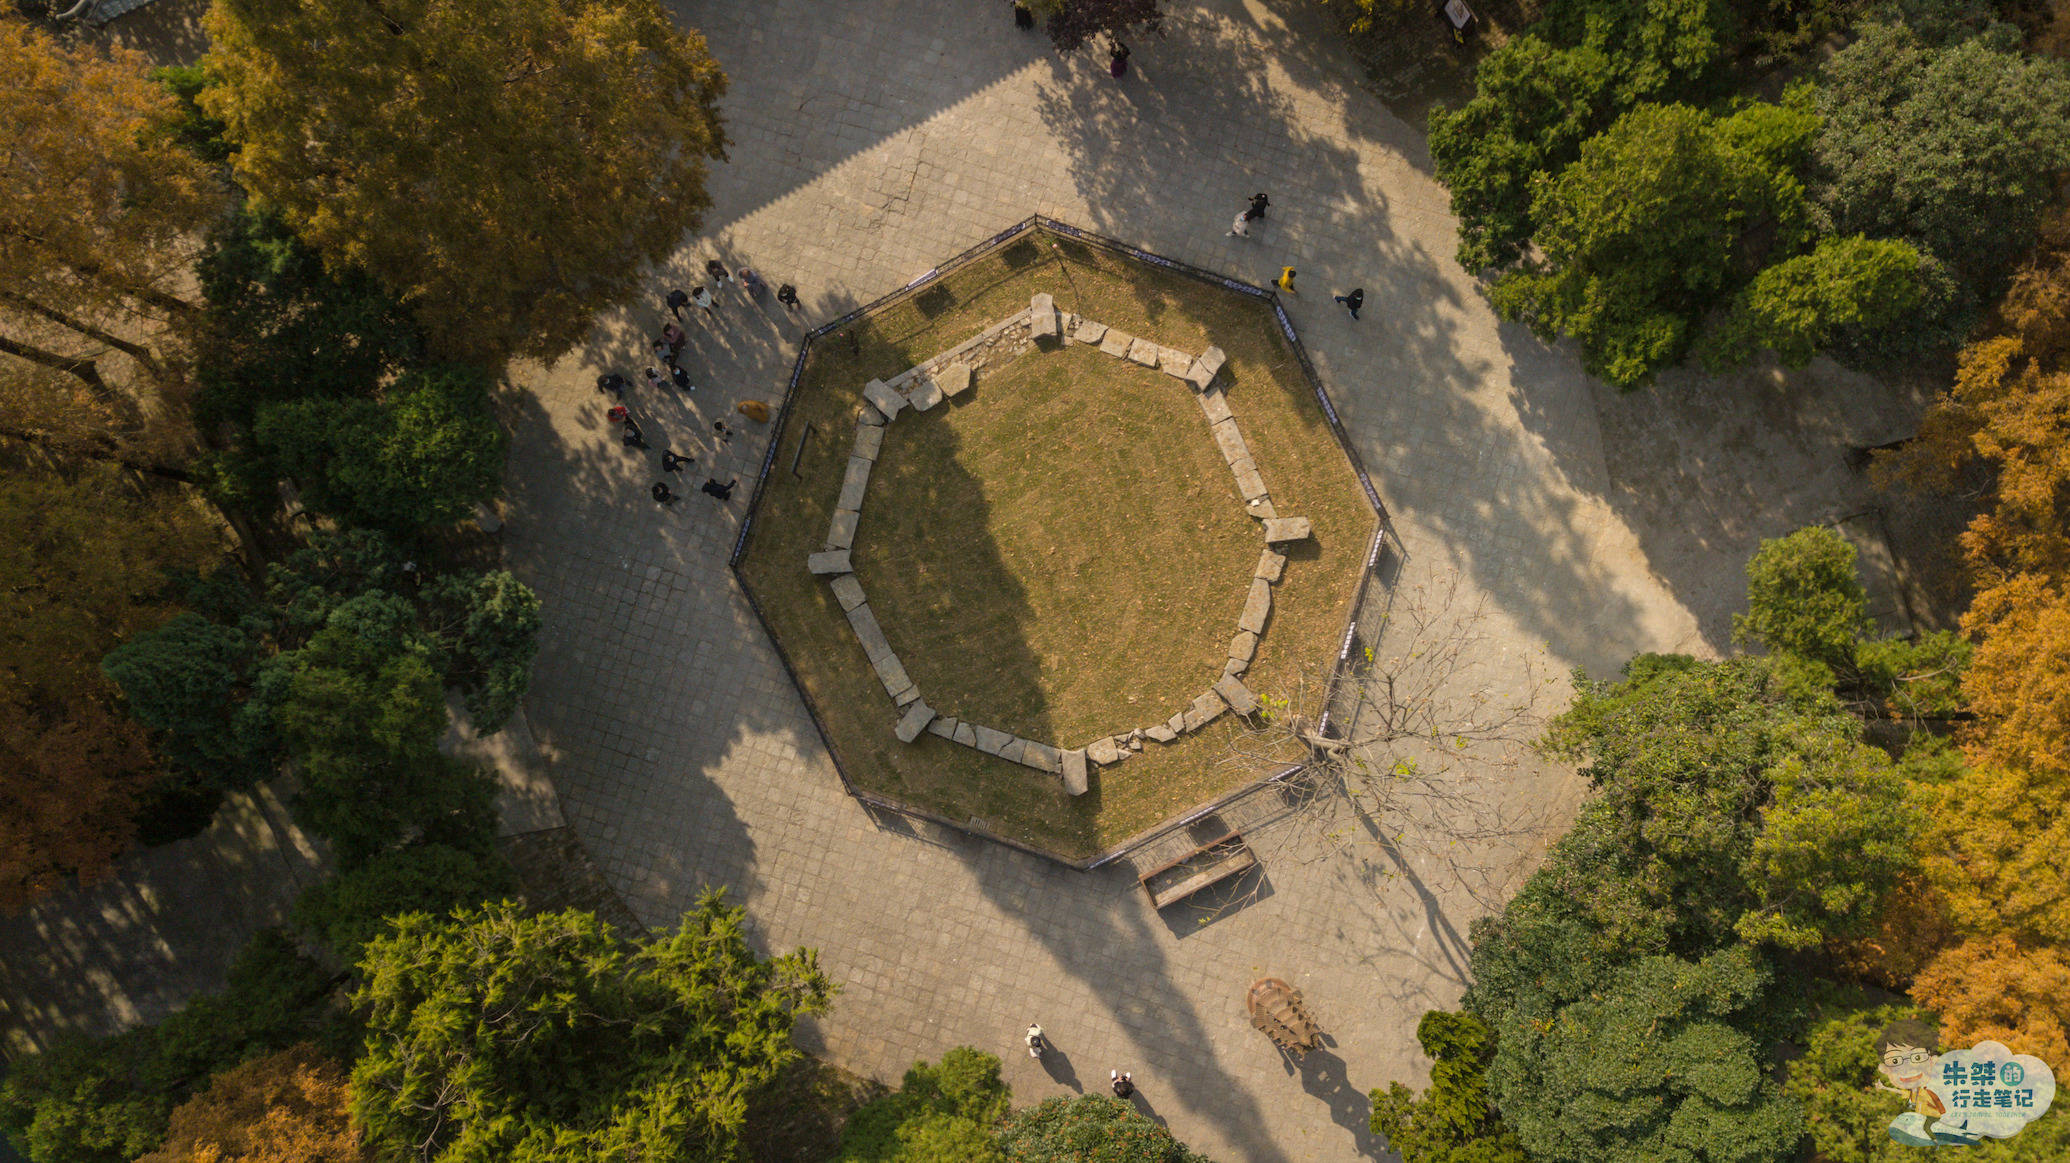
[1143, 1107]
[1057, 1065]
[1322, 1075]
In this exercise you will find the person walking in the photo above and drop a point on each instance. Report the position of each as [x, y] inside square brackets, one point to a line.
[752, 283]
[1034, 1039]
[681, 377]
[618, 414]
[1117, 61]
[674, 337]
[712, 488]
[788, 296]
[1241, 228]
[613, 383]
[677, 300]
[1285, 282]
[754, 410]
[653, 379]
[1123, 1082]
[1355, 300]
[724, 433]
[1257, 208]
[703, 298]
[633, 437]
[675, 462]
[717, 270]
[662, 493]
[1023, 16]
[664, 354]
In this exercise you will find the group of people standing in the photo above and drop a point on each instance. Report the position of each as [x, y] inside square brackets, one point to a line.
[668, 350]
[1241, 228]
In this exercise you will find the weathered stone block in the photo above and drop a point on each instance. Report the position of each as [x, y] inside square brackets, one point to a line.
[869, 633]
[1176, 723]
[924, 394]
[848, 592]
[1244, 645]
[1235, 666]
[1216, 405]
[1162, 733]
[1204, 710]
[914, 721]
[1144, 352]
[1040, 756]
[1117, 343]
[1012, 751]
[841, 530]
[1074, 772]
[1261, 509]
[892, 673]
[1103, 751]
[1248, 482]
[868, 414]
[1229, 439]
[966, 734]
[886, 400]
[1238, 696]
[1257, 607]
[1089, 331]
[869, 441]
[1042, 316]
[1287, 529]
[991, 742]
[1173, 362]
[1212, 360]
[906, 696]
[943, 726]
[953, 380]
[854, 483]
[1270, 565]
[835, 561]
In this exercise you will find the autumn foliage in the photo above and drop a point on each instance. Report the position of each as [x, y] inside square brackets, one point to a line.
[74, 583]
[289, 1107]
[1993, 850]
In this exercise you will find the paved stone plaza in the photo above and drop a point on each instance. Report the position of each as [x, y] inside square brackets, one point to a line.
[870, 141]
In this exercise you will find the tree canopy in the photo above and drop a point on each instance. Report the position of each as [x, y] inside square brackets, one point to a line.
[506, 169]
[86, 564]
[1453, 1122]
[287, 1107]
[1651, 228]
[491, 1034]
[946, 1113]
[99, 204]
[1952, 148]
[1091, 1128]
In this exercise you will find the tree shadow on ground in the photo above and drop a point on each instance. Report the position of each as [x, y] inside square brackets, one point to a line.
[1322, 1075]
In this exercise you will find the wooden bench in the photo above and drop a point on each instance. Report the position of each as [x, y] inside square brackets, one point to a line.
[1230, 857]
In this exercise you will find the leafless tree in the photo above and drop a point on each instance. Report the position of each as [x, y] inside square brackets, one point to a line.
[1430, 727]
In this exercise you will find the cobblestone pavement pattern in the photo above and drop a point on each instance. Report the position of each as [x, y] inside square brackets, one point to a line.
[869, 142]
[872, 141]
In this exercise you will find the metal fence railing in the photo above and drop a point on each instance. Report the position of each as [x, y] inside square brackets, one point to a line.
[1384, 540]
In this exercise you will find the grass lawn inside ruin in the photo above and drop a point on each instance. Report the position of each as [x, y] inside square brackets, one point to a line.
[1061, 551]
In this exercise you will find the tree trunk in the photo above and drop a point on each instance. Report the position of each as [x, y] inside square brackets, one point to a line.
[135, 351]
[88, 373]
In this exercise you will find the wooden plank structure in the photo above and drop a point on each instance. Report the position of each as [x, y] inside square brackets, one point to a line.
[1195, 869]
